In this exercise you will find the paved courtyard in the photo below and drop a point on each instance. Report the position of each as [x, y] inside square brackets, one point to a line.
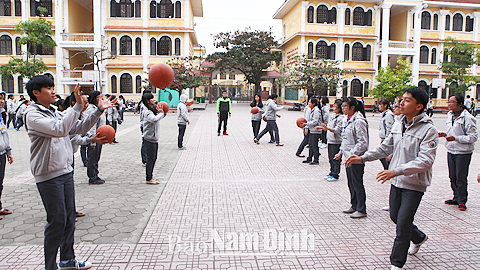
[221, 190]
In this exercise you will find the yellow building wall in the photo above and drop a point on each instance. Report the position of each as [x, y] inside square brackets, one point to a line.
[292, 21]
[400, 22]
[7, 20]
[321, 28]
[292, 49]
[80, 20]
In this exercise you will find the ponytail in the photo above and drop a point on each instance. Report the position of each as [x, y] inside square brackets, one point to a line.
[145, 98]
[357, 105]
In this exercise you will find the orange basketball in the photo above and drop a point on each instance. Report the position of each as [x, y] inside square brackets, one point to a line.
[106, 131]
[165, 107]
[161, 75]
[300, 122]
[254, 110]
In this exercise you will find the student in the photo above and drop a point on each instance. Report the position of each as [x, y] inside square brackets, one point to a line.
[121, 108]
[142, 107]
[355, 142]
[413, 145]
[94, 150]
[324, 112]
[473, 111]
[386, 122]
[271, 117]
[224, 110]
[257, 118]
[50, 162]
[5, 155]
[468, 103]
[460, 136]
[182, 120]
[20, 113]
[151, 133]
[113, 117]
[334, 140]
[430, 108]
[306, 131]
[11, 106]
[313, 120]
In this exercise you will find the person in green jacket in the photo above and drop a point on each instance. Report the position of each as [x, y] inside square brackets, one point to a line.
[224, 110]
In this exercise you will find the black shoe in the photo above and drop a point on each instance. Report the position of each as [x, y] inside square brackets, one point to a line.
[224, 133]
[306, 161]
[313, 163]
[462, 207]
[279, 144]
[97, 182]
[218, 134]
[298, 155]
[451, 202]
[271, 142]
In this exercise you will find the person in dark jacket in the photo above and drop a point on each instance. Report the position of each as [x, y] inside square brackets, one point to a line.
[224, 110]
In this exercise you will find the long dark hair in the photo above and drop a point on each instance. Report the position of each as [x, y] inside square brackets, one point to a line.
[254, 102]
[314, 101]
[461, 100]
[339, 104]
[145, 98]
[358, 105]
[92, 97]
[385, 101]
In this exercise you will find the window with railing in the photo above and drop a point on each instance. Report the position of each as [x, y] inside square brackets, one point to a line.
[457, 22]
[177, 46]
[362, 17]
[310, 14]
[424, 55]
[8, 85]
[435, 21]
[5, 8]
[138, 46]
[138, 84]
[126, 83]
[113, 84]
[310, 50]
[164, 46]
[434, 56]
[18, 8]
[469, 24]
[357, 88]
[447, 23]
[125, 45]
[426, 20]
[34, 4]
[5, 45]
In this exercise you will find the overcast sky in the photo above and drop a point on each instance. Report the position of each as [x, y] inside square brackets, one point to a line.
[229, 15]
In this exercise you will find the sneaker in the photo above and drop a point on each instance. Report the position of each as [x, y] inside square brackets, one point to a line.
[279, 144]
[17, 129]
[153, 182]
[144, 164]
[415, 247]
[323, 145]
[357, 214]
[271, 141]
[349, 210]
[182, 148]
[313, 163]
[5, 212]
[306, 161]
[79, 214]
[332, 179]
[255, 140]
[224, 133]
[75, 264]
[451, 202]
[96, 182]
[218, 134]
[327, 176]
[462, 207]
[300, 155]
[395, 267]
[386, 208]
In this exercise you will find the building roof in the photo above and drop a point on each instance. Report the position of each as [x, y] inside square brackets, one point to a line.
[150, 28]
[271, 75]
[285, 8]
[454, 1]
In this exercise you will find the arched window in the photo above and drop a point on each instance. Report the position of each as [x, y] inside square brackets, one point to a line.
[114, 8]
[346, 52]
[5, 8]
[138, 46]
[138, 84]
[310, 50]
[125, 45]
[178, 9]
[445, 56]
[153, 46]
[357, 52]
[138, 8]
[345, 88]
[165, 9]
[310, 12]
[113, 84]
[423, 85]
[153, 9]
[468, 24]
[18, 47]
[321, 50]
[18, 9]
[366, 87]
[367, 53]
[5, 45]
[457, 22]
[447, 22]
[435, 21]
[20, 84]
[126, 83]
[331, 51]
[34, 4]
[7, 85]
[357, 88]
[358, 16]
[322, 14]
[347, 16]
[423, 55]
[164, 46]
[426, 19]
[114, 46]
[177, 46]
[434, 56]
[368, 18]
[126, 9]
[332, 15]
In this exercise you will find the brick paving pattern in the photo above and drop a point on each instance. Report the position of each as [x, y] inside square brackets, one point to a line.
[230, 185]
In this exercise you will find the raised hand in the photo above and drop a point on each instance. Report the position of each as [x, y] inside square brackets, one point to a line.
[105, 104]
[79, 95]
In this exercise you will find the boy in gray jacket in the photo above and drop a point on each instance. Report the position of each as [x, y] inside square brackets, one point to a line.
[5, 154]
[182, 120]
[51, 164]
[413, 145]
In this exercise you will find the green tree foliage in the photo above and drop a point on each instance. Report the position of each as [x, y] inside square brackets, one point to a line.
[318, 76]
[250, 52]
[35, 32]
[462, 57]
[392, 81]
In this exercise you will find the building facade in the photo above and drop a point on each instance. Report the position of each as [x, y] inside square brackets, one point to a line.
[367, 35]
[107, 45]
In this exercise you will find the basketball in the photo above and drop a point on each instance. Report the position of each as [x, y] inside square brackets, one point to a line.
[161, 75]
[254, 110]
[106, 131]
[165, 107]
[301, 122]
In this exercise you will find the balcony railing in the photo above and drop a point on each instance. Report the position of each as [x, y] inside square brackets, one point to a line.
[79, 37]
[79, 74]
[399, 45]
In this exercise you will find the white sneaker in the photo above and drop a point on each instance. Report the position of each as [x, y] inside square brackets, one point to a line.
[415, 247]
[323, 145]
[326, 177]
[332, 179]
[395, 267]
[386, 208]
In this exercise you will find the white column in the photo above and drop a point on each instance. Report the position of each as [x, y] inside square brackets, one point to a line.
[441, 23]
[378, 17]
[302, 17]
[145, 54]
[476, 23]
[341, 17]
[186, 13]
[340, 52]
[416, 40]
[186, 45]
[385, 33]
[145, 12]
[302, 45]
[59, 50]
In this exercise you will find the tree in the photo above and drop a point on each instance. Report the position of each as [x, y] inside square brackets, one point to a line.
[463, 56]
[318, 76]
[392, 81]
[250, 52]
[35, 32]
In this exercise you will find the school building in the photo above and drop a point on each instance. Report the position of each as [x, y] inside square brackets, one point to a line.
[367, 35]
[107, 45]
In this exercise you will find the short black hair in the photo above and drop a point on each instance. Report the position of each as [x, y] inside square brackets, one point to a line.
[10, 96]
[37, 83]
[419, 95]
[92, 97]
[273, 96]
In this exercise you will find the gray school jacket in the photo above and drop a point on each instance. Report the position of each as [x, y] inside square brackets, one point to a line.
[313, 120]
[112, 114]
[51, 153]
[78, 140]
[271, 109]
[335, 123]
[91, 110]
[182, 114]
[258, 116]
[21, 111]
[386, 123]
[11, 106]
[325, 113]
[413, 152]
[142, 108]
[151, 125]
[464, 129]
[4, 140]
[355, 137]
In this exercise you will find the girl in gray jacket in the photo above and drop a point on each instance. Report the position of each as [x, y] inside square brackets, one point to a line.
[386, 123]
[182, 120]
[151, 133]
[5, 155]
[257, 117]
[334, 140]
[112, 117]
[313, 120]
